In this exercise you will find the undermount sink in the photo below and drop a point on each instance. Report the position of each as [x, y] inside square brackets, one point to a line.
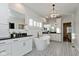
[42, 42]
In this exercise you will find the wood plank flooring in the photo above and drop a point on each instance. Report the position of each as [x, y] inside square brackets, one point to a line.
[56, 49]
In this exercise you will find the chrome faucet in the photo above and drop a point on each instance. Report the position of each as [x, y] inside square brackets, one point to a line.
[38, 35]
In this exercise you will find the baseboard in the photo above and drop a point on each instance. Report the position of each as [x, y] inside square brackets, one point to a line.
[54, 41]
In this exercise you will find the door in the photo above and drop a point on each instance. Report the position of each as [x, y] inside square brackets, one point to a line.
[67, 32]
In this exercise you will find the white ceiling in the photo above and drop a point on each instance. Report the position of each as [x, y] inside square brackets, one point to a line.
[17, 15]
[43, 8]
[16, 11]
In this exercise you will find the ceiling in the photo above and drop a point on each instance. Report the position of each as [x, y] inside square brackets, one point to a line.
[16, 11]
[16, 14]
[43, 8]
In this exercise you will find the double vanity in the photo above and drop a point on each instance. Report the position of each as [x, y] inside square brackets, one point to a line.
[53, 36]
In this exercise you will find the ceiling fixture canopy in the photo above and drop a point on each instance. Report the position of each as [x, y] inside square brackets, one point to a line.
[53, 13]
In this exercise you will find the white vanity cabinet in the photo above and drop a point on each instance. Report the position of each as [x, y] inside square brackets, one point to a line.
[26, 45]
[16, 47]
[53, 37]
[5, 48]
[56, 37]
[21, 46]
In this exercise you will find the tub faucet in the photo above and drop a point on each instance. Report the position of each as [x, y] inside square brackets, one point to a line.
[38, 35]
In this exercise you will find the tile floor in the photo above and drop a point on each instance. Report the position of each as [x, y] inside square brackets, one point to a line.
[56, 49]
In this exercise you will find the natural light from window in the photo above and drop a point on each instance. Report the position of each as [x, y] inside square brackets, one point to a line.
[40, 24]
[34, 23]
[30, 22]
[37, 24]
[58, 30]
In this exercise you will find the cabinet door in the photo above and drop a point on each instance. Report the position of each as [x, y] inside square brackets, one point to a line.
[16, 47]
[25, 45]
[28, 45]
[21, 46]
[53, 37]
[59, 37]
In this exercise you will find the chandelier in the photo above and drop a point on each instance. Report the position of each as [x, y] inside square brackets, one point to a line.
[53, 14]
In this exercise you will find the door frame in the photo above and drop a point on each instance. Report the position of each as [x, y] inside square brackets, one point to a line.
[63, 33]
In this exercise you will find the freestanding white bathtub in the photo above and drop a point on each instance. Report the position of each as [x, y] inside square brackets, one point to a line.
[42, 42]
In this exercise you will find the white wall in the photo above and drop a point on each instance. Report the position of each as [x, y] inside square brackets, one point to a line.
[76, 42]
[4, 16]
[28, 13]
[69, 18]
[31, 14]
[17, 14]
[17, 22]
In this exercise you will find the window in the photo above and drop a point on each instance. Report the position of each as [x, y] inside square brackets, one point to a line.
[35, 23]
[31, 22]
[53, 29]
[58, 30]
[40, 24]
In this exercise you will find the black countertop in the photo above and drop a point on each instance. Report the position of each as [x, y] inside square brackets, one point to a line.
[14, 38]
[50, 33]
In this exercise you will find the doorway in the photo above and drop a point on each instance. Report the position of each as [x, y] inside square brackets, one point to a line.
[67, 32]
